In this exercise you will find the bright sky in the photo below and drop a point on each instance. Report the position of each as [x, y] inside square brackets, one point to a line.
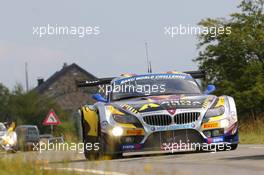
[119, 48]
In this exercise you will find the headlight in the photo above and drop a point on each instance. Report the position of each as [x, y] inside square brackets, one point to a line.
[125, 119]
[117, 131]
[215, 112]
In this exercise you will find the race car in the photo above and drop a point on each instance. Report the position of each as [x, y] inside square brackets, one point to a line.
[2, 131]
[157, 113]
[8, 138]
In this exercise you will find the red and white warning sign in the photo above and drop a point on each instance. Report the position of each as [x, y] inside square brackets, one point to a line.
[52, 119]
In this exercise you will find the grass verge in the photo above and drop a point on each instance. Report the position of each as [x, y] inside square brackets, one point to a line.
[252, 132]
[18, 167]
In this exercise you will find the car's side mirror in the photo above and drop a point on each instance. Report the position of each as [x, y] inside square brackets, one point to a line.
[99, 97]
[210, 88]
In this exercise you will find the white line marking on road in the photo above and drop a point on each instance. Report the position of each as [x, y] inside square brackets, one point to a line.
[257, 147]
[87, 171]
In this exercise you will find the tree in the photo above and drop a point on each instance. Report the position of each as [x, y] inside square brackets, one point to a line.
[235, 62]
[31, 108]
[4, 97]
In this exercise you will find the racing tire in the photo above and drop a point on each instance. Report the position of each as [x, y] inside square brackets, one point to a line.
[110, 147]
[91, 154]
[106, 149]
[230, 147]
[87, 140]
[104, 144]
[233, 147]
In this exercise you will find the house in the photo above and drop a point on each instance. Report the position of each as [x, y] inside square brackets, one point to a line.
[61, 87]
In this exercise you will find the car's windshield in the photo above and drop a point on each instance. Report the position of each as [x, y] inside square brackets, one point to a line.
[32, 133]
[154, 84]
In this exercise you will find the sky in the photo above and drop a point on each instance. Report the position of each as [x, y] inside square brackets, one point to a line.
[125, 26]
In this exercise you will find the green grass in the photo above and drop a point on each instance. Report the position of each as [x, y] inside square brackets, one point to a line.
[18, 167]
[252, 132]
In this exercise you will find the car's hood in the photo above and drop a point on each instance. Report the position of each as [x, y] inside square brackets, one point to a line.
[165, 102]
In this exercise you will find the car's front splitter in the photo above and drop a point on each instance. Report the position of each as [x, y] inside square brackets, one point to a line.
[167, 141]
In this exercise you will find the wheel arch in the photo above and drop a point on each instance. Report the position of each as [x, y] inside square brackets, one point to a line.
[90, 120]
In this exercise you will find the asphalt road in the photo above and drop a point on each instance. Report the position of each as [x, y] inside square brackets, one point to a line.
[247, 159]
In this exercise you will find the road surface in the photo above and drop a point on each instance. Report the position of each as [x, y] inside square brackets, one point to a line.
[246, 160]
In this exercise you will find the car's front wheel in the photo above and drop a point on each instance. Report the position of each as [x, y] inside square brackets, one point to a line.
[107, 148]
[90, 152]
[233, 147]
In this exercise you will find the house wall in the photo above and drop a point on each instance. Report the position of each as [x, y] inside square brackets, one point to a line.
[65, 92]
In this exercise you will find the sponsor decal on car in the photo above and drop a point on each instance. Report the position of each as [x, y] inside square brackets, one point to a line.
[154, 77]
[129, 108]
[150, 105]
[176, 103]
[173, 127]
[211, 125]
[135, 132]
[215, 139]
[165, 97]
[128, 147]
[113, 110]
[207, 102]
[151, 113]
[221, 102]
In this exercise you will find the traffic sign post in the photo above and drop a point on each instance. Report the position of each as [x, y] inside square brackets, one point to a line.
[51, 129]
[51, 120]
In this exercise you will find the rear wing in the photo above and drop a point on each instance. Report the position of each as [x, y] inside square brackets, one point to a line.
[200, 74]
[94, 82]
[103, 81]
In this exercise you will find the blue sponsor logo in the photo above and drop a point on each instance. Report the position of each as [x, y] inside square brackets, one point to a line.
[131, 147]
[216, 139]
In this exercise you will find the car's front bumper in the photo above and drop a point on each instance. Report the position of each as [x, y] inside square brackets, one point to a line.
[167, 141]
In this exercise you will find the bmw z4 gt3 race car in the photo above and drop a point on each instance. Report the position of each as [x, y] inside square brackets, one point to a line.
[156, 113]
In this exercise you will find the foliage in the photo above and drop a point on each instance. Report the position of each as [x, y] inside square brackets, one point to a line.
[250, 132]
[4, 97]
[68, 130]
[27, 108]
[235, 62]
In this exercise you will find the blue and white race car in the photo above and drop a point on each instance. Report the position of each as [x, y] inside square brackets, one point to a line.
[156, 113]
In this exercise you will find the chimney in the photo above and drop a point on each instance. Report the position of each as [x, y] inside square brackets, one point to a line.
[64, 65]
[40, 81]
